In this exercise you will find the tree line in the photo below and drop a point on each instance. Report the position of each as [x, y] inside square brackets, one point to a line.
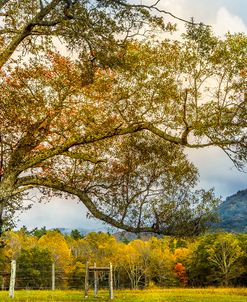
[217, 259]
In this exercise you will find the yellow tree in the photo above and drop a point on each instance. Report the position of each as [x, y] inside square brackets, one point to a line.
[17, 240]
[96, 248]
[101, 248]
[132, 263]
[225, 257]
[162, 263]
[55, 242]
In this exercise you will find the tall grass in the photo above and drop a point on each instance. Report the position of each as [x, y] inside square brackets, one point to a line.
[150, 295]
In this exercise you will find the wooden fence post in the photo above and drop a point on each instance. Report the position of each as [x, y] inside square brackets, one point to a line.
[95, 282]
[110, 281]
[86, 280]
[12, 279]
[53, 276]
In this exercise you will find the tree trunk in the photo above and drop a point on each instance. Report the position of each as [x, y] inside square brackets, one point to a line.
[1, 218]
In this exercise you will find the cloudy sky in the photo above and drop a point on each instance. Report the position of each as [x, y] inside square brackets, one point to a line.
[216, 170]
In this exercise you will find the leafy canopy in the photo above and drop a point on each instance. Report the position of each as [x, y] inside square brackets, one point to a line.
[111, 125]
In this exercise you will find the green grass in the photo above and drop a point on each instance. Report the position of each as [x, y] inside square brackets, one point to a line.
[148, 295]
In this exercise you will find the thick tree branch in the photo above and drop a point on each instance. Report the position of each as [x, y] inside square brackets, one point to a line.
[26, 31]
[183, 142]
[76, 141]
[91, 138]
[169, 227]
[188, 128]
[83, 156]
[85, 199]
[30, 140]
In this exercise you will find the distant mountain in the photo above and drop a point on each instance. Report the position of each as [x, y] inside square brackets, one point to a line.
[67, 231]
[233, 213]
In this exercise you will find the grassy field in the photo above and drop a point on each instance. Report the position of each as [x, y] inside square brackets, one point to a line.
[151, 295]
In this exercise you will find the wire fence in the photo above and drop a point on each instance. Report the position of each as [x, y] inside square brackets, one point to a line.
[24, 282]
[37, 278]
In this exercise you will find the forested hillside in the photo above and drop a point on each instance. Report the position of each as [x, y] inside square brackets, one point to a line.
[233, 213]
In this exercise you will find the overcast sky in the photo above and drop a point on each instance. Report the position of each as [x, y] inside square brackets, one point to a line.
[216, 170]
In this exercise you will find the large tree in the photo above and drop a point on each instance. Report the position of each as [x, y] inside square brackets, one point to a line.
[94, 30]
[110, 126]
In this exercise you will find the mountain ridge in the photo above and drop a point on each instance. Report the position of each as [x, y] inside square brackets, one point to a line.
[233, 213]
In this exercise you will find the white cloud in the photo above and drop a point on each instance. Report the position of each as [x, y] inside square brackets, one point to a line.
[58, 213]
[217, 171]
[225, 21]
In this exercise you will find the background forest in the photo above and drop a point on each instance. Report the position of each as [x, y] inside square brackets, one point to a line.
[210, 260]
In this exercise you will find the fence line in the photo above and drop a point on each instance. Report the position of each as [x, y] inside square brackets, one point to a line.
[31, 277]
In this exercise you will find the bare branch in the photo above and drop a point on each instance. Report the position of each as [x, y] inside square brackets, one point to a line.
[154, 7]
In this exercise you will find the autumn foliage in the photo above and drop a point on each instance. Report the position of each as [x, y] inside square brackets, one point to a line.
[181, 274]
[215, 259]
